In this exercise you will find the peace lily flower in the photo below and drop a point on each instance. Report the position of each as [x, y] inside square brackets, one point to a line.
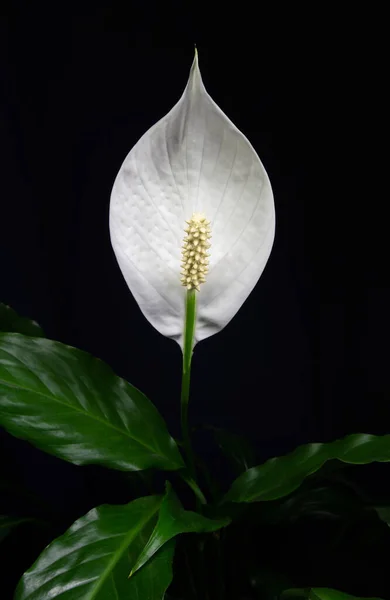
[192, 213]
[192, 224]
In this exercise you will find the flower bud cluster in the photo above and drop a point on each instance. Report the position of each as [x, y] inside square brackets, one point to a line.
[195, 255]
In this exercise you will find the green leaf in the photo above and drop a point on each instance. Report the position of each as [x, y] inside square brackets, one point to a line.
[174, 520]
[280, 476]
[329, 594]
[383, 513]
[321, 594]
[72, 405]
[319, 502]
[236, 448]
[10, 321]
[93, 558]
[8, 523]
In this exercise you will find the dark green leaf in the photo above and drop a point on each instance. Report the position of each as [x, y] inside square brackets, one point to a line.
[236, 448]
[72, 405]
[318, 502]
[174, 520]
[329, 594]
[93, 558]
[321, 594]
[383, 513]
[8, 523]
[280, 476]
[10, 321]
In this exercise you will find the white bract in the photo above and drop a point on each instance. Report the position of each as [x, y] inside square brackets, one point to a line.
[192, 164]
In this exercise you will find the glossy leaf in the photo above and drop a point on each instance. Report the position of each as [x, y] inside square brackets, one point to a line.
[10, 321]
[93, 558]
[172, 521]
[72, 405]
[321, 594]
[280, 476]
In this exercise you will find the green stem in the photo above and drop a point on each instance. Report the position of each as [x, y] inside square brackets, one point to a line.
[195, 488]
[189, 331]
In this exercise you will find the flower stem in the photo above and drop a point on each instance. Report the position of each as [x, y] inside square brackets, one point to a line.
[189, 330]
[195, 488]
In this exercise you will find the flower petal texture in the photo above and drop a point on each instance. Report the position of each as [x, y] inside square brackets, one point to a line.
[194, 160]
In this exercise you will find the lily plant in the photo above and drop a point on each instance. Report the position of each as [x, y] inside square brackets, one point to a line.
[192, 224]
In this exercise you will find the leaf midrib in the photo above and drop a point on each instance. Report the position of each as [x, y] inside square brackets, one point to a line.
[124, 432]
[116, 556]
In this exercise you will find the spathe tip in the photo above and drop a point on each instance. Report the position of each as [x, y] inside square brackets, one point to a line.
[195, 62]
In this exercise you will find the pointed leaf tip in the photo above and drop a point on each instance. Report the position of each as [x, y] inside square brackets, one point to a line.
[173, 520]
[81, 411]
[111, 537]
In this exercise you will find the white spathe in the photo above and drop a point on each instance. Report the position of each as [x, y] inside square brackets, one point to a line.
[194, 160]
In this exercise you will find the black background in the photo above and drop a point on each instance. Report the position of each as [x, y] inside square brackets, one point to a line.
[306, 358]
